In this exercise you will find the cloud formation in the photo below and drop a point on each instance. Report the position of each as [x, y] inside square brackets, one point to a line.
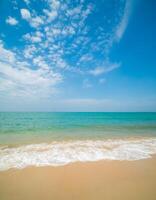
[11, 21]
[25, 14]
[105, 68]
[18, 79]
[121, 27]
[62, 38]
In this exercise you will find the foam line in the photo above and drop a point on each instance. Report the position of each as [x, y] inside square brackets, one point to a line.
[62, 153]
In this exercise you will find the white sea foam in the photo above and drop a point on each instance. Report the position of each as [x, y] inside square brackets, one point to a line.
[62, 153]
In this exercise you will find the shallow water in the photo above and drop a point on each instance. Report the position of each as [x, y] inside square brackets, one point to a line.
[44, 127]
[54, 139]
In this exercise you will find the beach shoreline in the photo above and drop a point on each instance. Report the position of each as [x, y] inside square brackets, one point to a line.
[108, 180]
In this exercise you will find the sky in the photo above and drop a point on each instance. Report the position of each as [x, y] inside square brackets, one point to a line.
[77, 55]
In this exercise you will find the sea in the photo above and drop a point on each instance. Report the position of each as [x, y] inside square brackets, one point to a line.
[60, 138]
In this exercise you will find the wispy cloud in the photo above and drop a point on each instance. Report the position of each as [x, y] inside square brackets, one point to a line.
[107, 40]
[18, 79]
[105, 68]
[121, 27]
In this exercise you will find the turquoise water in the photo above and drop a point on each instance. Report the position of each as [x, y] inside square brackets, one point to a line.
[43, 127]
[54, 139]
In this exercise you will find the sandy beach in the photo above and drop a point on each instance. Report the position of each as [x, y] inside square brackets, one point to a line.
[110, 180]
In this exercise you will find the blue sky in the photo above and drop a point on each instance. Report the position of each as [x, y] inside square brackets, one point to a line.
[81, 55]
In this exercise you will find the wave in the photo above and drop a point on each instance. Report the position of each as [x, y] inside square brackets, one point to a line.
[65, 152]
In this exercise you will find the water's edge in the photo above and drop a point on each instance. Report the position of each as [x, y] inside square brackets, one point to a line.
[61, 153]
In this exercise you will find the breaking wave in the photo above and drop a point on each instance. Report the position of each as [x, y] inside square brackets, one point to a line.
[65, 152]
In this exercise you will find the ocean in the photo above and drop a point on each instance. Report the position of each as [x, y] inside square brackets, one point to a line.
[54, 139]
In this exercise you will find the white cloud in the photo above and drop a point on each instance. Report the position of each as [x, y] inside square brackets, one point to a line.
[121, 27]
[86, 58]
[25, 14]
[55, 34]
[35, 38]
[74, 11]
[54, 4]
[36, 21]
[18, 79]
[6, 55]
[68, 31]
[105, 68]
[106, 40]
[29, 51]
[27, 81]
[27, 1]
[51, 14]
[27, 76]
[12, 21]
[61, 63]
[55, 31]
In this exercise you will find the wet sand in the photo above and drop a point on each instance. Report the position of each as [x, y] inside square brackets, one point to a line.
[103, 180]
